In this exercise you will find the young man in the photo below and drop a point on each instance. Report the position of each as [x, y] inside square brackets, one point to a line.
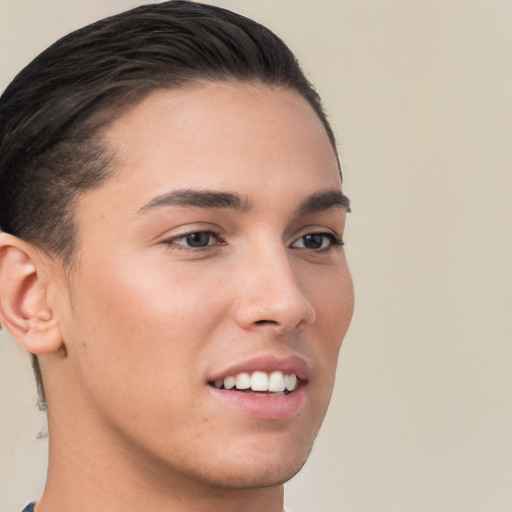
[172, 256]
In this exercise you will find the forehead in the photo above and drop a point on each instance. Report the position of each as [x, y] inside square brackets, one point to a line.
[244, 138]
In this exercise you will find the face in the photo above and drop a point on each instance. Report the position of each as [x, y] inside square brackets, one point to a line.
[211, 258]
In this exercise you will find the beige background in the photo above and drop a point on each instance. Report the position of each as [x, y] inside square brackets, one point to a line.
[420, 95]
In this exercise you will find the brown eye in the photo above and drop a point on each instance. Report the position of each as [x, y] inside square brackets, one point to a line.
[199, 239]
[194, 240]
[313, 241]
[317, 242]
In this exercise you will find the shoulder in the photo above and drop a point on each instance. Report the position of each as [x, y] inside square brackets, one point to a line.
[29, 508]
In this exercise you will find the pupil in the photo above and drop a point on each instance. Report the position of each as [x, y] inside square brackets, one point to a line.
[313, 241]
[200, 239]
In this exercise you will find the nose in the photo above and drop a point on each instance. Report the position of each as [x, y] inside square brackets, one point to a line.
[269, 294]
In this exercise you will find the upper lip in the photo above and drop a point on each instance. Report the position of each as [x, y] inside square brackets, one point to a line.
[267, 363]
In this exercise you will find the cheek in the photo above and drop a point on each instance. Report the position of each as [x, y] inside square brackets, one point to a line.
[332, 296]
[334, 305]
[135, 342]
[143, 322]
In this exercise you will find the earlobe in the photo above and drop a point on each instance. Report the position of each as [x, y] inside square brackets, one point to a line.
[24, 311]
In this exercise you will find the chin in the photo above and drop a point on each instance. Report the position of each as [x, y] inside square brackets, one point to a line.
[266, 469]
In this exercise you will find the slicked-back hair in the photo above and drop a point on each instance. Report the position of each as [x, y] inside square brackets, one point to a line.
[53, 113]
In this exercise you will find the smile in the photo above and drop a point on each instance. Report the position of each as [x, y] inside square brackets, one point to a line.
[264, 387]
[276, 382]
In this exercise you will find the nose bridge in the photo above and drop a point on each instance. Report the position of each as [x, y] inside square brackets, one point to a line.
[270, 293]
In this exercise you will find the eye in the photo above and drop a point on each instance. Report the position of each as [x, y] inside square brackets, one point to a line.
[195, 240]
[317, 241]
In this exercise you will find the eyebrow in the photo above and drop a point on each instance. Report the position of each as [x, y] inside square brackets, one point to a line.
[324, 200]
[199, 198]
[316, 202]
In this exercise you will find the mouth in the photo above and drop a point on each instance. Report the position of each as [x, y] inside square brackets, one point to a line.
[266, 387]
[276, 383]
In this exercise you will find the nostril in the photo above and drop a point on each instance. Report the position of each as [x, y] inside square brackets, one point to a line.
[261, 322]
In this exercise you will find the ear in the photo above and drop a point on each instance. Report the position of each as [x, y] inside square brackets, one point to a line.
[24, 311]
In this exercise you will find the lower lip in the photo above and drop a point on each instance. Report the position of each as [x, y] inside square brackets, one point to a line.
[266, 407]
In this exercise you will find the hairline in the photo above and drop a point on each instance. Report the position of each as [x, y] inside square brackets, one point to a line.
[102, 120]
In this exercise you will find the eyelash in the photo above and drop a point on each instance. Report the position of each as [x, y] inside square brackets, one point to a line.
[334, 241]
[184, 247]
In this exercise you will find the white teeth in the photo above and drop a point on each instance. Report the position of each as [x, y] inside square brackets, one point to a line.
[290, 381]
[259, 381]
[229, 382]
[243, 381]
[276, 382]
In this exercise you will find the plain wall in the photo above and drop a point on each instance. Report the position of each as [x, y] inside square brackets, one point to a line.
[420, 96]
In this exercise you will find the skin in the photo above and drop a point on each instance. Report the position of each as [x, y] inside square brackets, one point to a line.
[144, 320]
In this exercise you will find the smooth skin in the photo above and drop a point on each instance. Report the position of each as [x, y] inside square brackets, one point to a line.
[163, 294]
